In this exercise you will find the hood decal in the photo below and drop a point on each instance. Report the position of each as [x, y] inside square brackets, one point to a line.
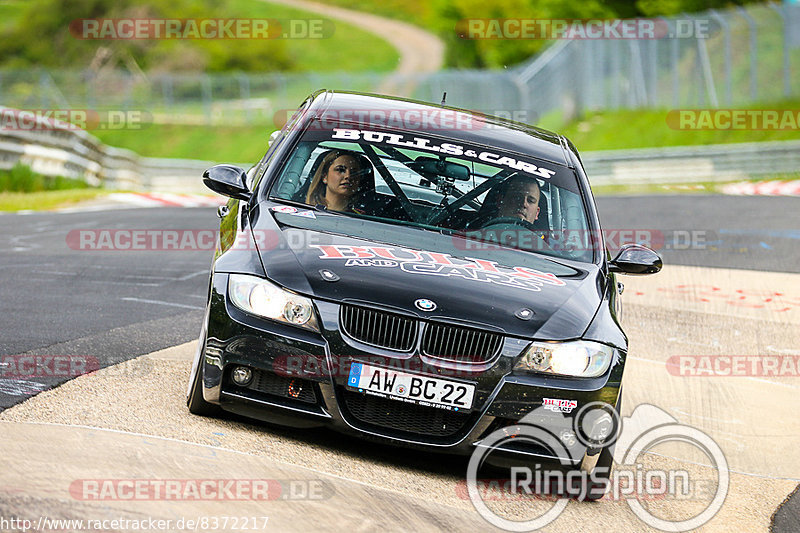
[421, 262]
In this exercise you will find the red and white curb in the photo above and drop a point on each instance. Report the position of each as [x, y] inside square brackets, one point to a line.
[763, 188]
[164, 199]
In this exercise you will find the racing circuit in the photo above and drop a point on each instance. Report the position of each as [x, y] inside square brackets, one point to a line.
[730, 287]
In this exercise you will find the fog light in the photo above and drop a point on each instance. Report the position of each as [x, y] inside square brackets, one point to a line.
[568, 437]
[598, 425]
[242, 376]
[602, 428]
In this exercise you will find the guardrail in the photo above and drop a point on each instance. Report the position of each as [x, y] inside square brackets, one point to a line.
[51, 148]
[74, 153]
[686, 164]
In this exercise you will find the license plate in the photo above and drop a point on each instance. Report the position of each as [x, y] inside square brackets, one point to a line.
[411, 388]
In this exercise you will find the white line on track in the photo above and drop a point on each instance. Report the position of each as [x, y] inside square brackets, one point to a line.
[781, 350]
[159, 302]
[177, 269]
[125, 283]
[684, 412]
[192, 275]
[740, 472]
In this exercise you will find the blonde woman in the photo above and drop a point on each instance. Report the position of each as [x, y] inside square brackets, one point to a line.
[337, 182]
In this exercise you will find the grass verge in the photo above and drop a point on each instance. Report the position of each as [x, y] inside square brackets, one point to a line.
[235, 144]
[702, 187]
[613, 130]
[20, 178]
[620, 130]
[44, 200]
[348, 49]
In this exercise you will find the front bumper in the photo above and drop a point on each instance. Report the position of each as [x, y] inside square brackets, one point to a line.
[299, 379]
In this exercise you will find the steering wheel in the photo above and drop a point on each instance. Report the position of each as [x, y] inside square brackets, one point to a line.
[499, 224]
[509, 221]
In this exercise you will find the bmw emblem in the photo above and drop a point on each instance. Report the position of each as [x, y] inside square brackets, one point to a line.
[423, 304]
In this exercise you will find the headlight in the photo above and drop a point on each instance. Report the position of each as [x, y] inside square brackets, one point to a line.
[585, 359]
[259, 297]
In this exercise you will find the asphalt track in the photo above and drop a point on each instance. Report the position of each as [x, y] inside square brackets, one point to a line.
[114, 306]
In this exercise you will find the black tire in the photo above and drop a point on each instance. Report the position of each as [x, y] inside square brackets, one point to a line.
[596, 491]
[195, 402]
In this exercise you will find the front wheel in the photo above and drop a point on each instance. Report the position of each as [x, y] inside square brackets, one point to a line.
[599, 475]
[194, 399]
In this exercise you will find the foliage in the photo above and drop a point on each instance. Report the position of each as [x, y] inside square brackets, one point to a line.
[443, 17]
[40, 35]
[22, 179]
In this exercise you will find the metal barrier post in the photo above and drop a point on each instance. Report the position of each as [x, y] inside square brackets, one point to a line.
[708, 76]
[206, 86]
[753, 52]
[674, 50]
[652, 78]
[787, 85]
[726, 43]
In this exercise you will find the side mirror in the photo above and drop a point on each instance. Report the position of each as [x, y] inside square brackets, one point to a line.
[635, 259]
[227, 180]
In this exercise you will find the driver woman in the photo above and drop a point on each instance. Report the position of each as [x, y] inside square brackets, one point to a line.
[336, 183]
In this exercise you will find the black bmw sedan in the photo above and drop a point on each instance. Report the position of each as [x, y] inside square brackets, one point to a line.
[415, 274]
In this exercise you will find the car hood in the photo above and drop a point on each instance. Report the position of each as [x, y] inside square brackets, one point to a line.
[388, 267]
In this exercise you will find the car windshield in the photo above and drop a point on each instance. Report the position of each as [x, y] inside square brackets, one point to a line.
[487, 196]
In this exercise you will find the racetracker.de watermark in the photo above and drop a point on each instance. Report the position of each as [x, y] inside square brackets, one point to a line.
[309, 366]
[734, 119]
[22, 367]
[73, 119]
[734, 365]
[218, 489]
[43, 366]
[140, 239]
[201, 28]
[421, 119]
[580, 29]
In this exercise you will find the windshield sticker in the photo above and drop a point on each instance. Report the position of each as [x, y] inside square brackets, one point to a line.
[289, 210]
[439, 264]
[421, 143]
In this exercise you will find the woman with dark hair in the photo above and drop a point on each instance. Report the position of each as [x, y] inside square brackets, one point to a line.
[337, 182]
